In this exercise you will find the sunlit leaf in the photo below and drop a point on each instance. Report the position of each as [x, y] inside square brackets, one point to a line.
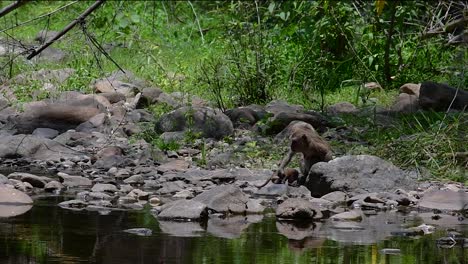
[271, 7]
[379, 6]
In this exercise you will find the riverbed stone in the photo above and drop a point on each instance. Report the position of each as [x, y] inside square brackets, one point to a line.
[105, 187]
[296, 208]
[12, 196]
[174, 166]
[444, 200]
[183, 210]
[354, 215]
[73, 181]
[135, 179]
[53, 186]
[73, 204]
[335, 197]
[224, 199]
[45, 132]
[356, 174]
[34, 180]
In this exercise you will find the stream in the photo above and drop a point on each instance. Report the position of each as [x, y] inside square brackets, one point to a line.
[49, 234]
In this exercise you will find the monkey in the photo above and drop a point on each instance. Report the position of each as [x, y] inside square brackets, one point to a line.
[290, 175]
[305, 140]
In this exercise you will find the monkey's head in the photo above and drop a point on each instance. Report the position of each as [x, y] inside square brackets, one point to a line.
[299, 142]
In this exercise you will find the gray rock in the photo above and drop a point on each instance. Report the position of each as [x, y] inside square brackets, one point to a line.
[35, 181]
[336, 197]
[45, 132]
[280, 121]
[211, 123]
[444, 200]
[135, 179]
[181, 229]
[254, 207]
[104, 187]
[171, 187]
[296, 208]
[35, 148]
[246, 117]
[230, 227]
[405, 103]
[139, 231]
[368, 174]
[342, 108]
[73, 181]
[73, 204]
[183, 210]
[174, 166]
[11, 210]
[353, 215]
[224, 199]
[3, 179]
[9, 196]
[53, 186]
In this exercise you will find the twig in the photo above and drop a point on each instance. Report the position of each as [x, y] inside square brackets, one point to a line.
[198, 22]
[66, 29]
[11, 7]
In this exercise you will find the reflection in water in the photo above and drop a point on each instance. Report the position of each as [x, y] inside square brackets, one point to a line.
[49, 234]
[8, 210]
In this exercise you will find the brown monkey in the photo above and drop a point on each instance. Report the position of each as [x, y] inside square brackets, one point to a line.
[305, 140]
[290, 175]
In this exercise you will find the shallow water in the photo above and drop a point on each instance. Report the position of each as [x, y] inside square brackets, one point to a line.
[49, 234]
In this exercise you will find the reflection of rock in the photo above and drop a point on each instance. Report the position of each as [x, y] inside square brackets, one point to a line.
[298, 230]
[231, 227]
[13, 210]
[139, 231]
[443, 220]
[306, 243]
[370, 230]
[181, 229]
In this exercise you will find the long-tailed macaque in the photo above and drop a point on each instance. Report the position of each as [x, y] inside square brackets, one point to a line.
[305, 140]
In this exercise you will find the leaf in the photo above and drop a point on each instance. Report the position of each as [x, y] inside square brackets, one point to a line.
[379, 6]
[271, 7]
[371, 59]
[282, 15]
[135, 18]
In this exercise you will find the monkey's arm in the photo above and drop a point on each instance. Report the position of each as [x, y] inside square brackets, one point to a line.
[285, 161]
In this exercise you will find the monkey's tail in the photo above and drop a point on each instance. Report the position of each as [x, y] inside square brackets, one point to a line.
[267, 181]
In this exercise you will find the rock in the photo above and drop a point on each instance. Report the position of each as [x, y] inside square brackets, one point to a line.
[135, 179]
[73, 204]
[373, 86]
[245, 117]
[53, 186]
[280, 121]
[139, 231]
[113, 97]
[110, 85]
[11, 210]
[178, 165]
[139, 194]
[73, 181]
[149, 96]
[35, 148]
[231, 226]
[296, 208]
[444, 200]
[3, 179]
[9, 196]
[104, 187]
[390, 251]
[342, 108]
[224, 199]
[171, 187]
[335, 197]
[439, 97]
[181, 229]
[254, 207]
[35, 181]
[357, 174]
[298, 231]
[184, 194]
[411, 88]
[107, 152]
[353, 215]
[45, 133]
[405, 103]
[184, 210]
[211, 123]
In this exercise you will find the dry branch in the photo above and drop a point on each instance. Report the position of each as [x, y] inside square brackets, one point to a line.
[12, 7]
[79, 19]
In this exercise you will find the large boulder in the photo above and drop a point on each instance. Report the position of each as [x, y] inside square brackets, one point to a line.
[36, 148]
[13, 202]
[441, 97]
[246, 117]
[211, 123]
[342, 108]
[183, 210]
[357, 174]
[224, 199]
[444, 200]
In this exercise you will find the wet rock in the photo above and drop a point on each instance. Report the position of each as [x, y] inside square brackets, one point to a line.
[444, 200]
[35, 181]
[53, 186]
[45, 132]
[295, 208]
[211, 123]
[369, 174]
[139, 231]
[73, 204]
[73, 181]
[224, 199]
[353, 215]
[183, 210]
[254, 207]
[9, 196]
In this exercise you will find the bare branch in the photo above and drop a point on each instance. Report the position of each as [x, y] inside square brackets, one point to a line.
[12, 7]
[66, 29]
